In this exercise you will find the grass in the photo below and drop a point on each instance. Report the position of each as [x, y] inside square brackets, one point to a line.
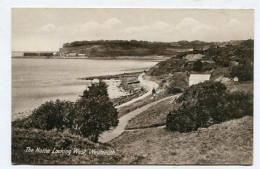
[33, 138]
[218, 72]
[230, 142]
[126, 109]
[247, 87]
[154, 116]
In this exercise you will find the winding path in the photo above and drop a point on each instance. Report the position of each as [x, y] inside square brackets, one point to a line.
[148, 85]
[117, 131]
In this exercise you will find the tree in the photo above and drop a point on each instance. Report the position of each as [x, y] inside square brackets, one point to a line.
[96, 90]
[94, 113]
[197, 66]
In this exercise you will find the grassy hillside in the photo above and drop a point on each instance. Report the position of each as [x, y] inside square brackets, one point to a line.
[22, 138]
[154, 116]
[230, 142]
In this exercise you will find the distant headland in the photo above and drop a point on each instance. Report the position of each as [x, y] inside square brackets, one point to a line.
[122, 49]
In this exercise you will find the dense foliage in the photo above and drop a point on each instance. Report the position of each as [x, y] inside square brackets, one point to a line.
[197, 66]
[203, 91]
[96, 90]
[173, 90]
[94, 113]
[48, 116]
[244, 72]
[115, 48]
[88, 116]
[208, 103]
[135, 43]
[215, 56]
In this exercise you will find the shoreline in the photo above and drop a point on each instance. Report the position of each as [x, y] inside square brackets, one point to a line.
[133, 88]
[116, 101]
[116, 76]
[140, 58]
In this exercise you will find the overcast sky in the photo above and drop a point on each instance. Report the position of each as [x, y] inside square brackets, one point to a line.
[48, 29]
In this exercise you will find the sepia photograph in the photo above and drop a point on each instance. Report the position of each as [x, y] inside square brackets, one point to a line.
[132, 86]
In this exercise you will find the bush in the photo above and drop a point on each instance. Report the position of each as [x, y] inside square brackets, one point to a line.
[244, 72]
[182, 120]
[96, 90]
[48, 116]
[203, 91]
[201, 108]
[173, 90]
[197, 66]
[232, 106]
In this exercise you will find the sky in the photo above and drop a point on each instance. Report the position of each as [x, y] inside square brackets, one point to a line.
[47, 29]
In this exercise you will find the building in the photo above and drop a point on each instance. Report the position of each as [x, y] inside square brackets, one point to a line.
[72, 54]
[198, 78]
[36, 54]
[81, 54]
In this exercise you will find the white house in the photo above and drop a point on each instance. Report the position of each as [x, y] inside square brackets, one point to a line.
[198, 78]
[81, 54]
[72, 54]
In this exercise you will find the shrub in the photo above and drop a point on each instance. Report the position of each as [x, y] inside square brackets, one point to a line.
[51, 115]
[244, 72]
[48, 116]
[96, 90]
[232, 106]
[197, 66]
[203, 91]
[173, 90]
[181, 120]
[201, 108]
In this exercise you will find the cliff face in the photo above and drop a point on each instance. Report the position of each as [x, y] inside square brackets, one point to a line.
[127, 48]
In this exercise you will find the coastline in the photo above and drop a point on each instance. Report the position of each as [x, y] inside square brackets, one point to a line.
[132, 87]
[139, 58]
[116, 76]
[122, 77]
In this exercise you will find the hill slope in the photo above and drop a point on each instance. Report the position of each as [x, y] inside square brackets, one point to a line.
[230, 142]
[111, 48]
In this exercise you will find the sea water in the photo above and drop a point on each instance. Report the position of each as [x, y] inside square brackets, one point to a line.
[35, 81]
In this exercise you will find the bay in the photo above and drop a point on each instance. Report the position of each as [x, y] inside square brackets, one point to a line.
[35, 81]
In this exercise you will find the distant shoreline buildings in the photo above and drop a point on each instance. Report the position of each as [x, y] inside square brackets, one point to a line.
[21, 54]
